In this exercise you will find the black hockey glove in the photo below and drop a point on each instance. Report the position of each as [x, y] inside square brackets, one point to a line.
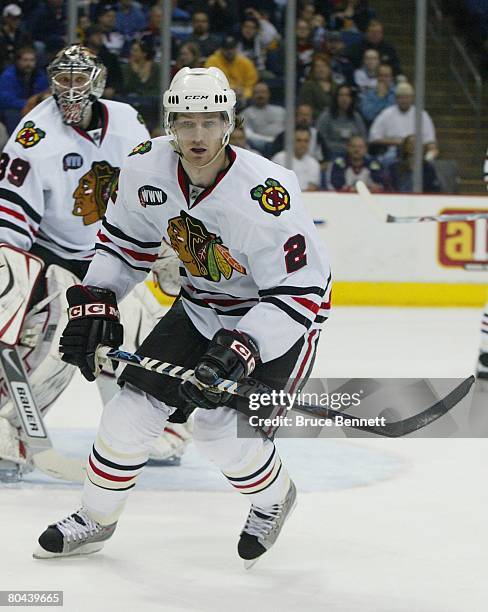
[93, 320]
[232, 355]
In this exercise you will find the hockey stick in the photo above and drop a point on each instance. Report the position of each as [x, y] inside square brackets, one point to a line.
[373, 206]
[370, 201]
[251, 386]
[437, 218]
[44, 456]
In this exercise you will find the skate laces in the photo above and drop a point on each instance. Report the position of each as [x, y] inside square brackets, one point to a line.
[261, 521]
[78, 526]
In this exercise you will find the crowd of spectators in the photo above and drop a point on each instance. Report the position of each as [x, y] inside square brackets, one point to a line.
[471, 21]
[354, 114]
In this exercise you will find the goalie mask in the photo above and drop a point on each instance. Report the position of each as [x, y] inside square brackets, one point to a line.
[199, 91]
[77, 78]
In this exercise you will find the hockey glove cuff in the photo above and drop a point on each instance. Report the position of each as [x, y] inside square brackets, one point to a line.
[93, 320]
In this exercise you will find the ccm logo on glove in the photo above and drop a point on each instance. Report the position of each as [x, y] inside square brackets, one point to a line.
[245, 353]
[93, 310]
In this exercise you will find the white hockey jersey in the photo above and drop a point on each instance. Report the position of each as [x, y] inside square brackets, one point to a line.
[252, 259]
[55, 179]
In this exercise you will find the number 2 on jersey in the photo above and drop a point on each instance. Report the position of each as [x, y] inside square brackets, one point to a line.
[295, 257]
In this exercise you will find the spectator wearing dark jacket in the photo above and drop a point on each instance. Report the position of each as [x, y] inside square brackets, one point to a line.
[346, 170]
[47, 23]
[130, 19]
[342, 69]
[208, 43]
[12, 35]
[374, 39]
[17, 83]
[94, 41]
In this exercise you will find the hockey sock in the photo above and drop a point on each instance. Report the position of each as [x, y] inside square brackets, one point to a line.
[130, 423]
[260, 475]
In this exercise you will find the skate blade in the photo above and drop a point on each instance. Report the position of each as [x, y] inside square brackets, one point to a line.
[248, 563]
[87, 549]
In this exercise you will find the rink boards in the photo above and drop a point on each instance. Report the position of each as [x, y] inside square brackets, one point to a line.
[423, 264]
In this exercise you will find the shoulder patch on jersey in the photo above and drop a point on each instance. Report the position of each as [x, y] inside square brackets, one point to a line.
[273, 198]
[201, 252]
[72, 161]
[143, 147]
[151, 196]
[29, 135]
[94, 189]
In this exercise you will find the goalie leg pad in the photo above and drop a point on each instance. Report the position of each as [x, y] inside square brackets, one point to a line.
[48, 375]
[19, 272]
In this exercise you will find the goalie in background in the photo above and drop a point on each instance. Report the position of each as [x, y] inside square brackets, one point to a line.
[57, 172]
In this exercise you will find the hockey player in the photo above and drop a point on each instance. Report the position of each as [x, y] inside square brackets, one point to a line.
[255, 289]
[57, 173]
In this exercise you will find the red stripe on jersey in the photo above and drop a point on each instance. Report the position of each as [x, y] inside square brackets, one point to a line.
[13, 213]
[99, 472]
[133, 254]
[139, 256]
[328, 303]
[305, 360]
[307, 303]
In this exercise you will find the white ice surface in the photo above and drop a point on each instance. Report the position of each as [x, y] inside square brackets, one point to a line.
[381, 525]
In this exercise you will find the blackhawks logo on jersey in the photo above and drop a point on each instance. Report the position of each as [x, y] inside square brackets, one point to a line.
[94, 189]
[29, 135]
[201, 252]
[272, 197]
[143, 147]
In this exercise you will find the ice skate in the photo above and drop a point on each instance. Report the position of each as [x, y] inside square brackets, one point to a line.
[263, 526]
[77, 534]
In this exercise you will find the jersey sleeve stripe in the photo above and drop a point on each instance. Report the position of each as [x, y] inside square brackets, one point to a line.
[104, 247]
[13, 213]
[307, 304]
[232, 312]
[15, 228]
[118, 233]
[290, 290]
[14, 198]
[134, 254]
[296, 316]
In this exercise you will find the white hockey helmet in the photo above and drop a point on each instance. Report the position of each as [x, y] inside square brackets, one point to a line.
[199, 90]
[72, 98]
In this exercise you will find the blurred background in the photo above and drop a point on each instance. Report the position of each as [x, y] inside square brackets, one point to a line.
[351, 87]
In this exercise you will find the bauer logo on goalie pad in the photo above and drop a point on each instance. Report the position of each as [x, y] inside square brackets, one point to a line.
[33, 425]
[464, 244]
[93, 310]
